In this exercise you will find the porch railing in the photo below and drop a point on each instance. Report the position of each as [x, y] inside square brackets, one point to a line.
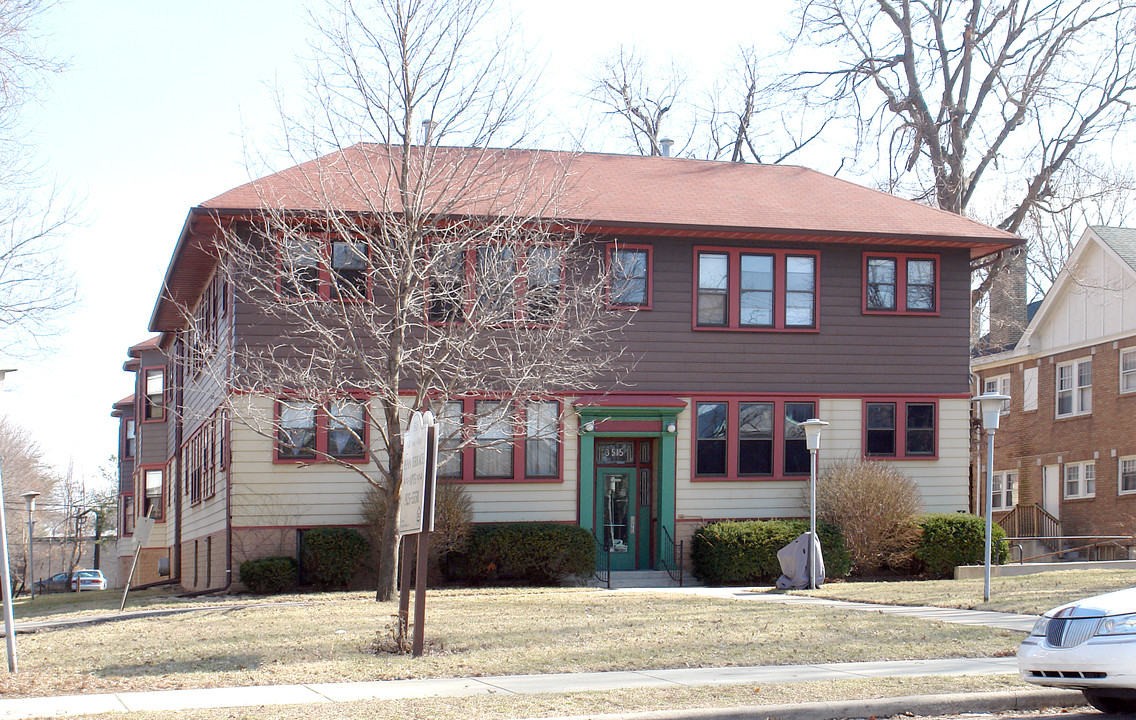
[1031, 521]
[1093, 548]
[603, 563]
[671, 556]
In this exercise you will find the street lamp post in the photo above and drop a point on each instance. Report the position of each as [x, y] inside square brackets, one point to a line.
[6, 580]
[812, 442]
[29, 577]
[990, 404]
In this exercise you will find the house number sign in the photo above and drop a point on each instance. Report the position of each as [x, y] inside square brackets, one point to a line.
[616, 453]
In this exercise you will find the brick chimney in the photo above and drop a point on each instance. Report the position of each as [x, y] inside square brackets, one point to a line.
[1007, 307]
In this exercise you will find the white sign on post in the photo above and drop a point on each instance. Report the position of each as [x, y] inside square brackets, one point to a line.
[413, 514]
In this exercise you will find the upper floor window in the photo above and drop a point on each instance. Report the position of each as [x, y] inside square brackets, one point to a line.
[1003, 489]
[900, 429]
[755, 289]
[153, 393]
[901, 283]
[324, 266]
[1075, 388]
[307, 430]
[999, 384]
[1126, 478]
[751, 438]
[630, 268]
[495, 283]
[129, 439]
[488, 440]
[1080, 480]
[1128, 370]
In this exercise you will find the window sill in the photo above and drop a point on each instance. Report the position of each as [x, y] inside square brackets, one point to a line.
[727, 328]
[1080, 497]
[900, 458]
[509, 480]
[1073, 416]
[905, 313]
[748, 478]
[319, 461]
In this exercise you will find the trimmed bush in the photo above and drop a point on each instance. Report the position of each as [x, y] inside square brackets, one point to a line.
[332, 556]
[534, 553]
[269, 575]
[951, 539]
[740, 552]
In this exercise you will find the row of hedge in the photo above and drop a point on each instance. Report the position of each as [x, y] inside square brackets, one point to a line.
[740, 552]
[534, 553]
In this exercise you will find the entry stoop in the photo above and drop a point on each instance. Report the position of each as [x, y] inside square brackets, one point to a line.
[646, 579]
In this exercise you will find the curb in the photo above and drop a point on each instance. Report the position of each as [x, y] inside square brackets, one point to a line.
[949, 704]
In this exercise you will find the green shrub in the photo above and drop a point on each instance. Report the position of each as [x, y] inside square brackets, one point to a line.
[740, 552]
[951, 539]
[535, 553]
[269, 575]
[332, 556]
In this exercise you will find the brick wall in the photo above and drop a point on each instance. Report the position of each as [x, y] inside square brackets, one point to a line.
[1028, 441]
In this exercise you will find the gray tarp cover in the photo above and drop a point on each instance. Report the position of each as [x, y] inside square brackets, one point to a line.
[794, 559]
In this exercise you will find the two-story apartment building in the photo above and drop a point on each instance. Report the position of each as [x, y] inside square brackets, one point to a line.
[1065, 455]
[757, 297]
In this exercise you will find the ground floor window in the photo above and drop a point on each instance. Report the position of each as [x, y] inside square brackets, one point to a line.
[900, 429]
[1080, 480]
[751, 438]
[1004, 489]
[1126, 479]
[482, 440]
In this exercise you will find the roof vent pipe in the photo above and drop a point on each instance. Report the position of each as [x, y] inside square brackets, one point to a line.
[428, 128]
[666, 144]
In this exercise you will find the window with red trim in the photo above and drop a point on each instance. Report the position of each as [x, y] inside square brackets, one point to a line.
[153, 393]
[629, 276]
[153, 484]
[324, 266]
[494, 282]
[901, 283]
[307, 430]
[900, 429]
[126, 502]
[503, 442]
[753, 289]
[751, 438]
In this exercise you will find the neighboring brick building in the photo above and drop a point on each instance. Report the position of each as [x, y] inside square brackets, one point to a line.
[1065, 455]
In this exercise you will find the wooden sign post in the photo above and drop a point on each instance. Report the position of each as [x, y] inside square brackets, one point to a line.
[416, 518]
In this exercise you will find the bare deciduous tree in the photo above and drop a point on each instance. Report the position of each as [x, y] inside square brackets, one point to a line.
[404, 271]
[35, 288]
[639, 97]
[960, 96]
[24, 469]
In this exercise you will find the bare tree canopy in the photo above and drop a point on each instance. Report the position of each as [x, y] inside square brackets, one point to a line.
[639, 97]
[965, 98]
[24, 469]
[35, 289]
[402, 273]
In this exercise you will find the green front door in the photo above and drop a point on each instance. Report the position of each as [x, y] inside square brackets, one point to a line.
[616, 506]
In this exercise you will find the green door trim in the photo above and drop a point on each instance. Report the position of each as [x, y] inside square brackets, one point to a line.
[666, 467]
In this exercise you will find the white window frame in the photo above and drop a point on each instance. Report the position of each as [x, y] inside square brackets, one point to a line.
[1005, 490]
[1129, 374]
[1079, 392]
[1085, 479]
[1131, 460]
[998, 384]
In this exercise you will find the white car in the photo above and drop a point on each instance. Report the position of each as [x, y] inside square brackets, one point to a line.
[88, 580]
[1087, 645]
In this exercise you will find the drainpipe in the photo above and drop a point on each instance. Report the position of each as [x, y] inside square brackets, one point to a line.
[179, 402]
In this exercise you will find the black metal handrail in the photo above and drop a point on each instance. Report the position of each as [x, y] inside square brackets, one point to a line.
[671, 557]
[1094, 545]
[603, 563]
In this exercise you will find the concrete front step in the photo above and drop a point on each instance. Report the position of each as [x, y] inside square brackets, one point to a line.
[646, 579]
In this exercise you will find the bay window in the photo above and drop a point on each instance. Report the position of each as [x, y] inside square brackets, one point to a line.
[153, 394]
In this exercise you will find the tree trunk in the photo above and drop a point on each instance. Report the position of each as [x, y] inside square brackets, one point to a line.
[388, 552]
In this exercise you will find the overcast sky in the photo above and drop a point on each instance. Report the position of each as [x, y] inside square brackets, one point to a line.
[152, 117]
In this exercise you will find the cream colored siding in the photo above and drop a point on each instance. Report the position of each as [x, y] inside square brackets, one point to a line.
[530, 502]
[1095, 301]
[284, 494]
[942, 482]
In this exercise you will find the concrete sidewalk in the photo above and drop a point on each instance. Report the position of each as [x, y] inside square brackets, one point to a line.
[319, 693]
[979, 618]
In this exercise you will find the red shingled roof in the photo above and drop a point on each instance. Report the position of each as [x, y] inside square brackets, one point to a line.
[624, 194]
[620, 190]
